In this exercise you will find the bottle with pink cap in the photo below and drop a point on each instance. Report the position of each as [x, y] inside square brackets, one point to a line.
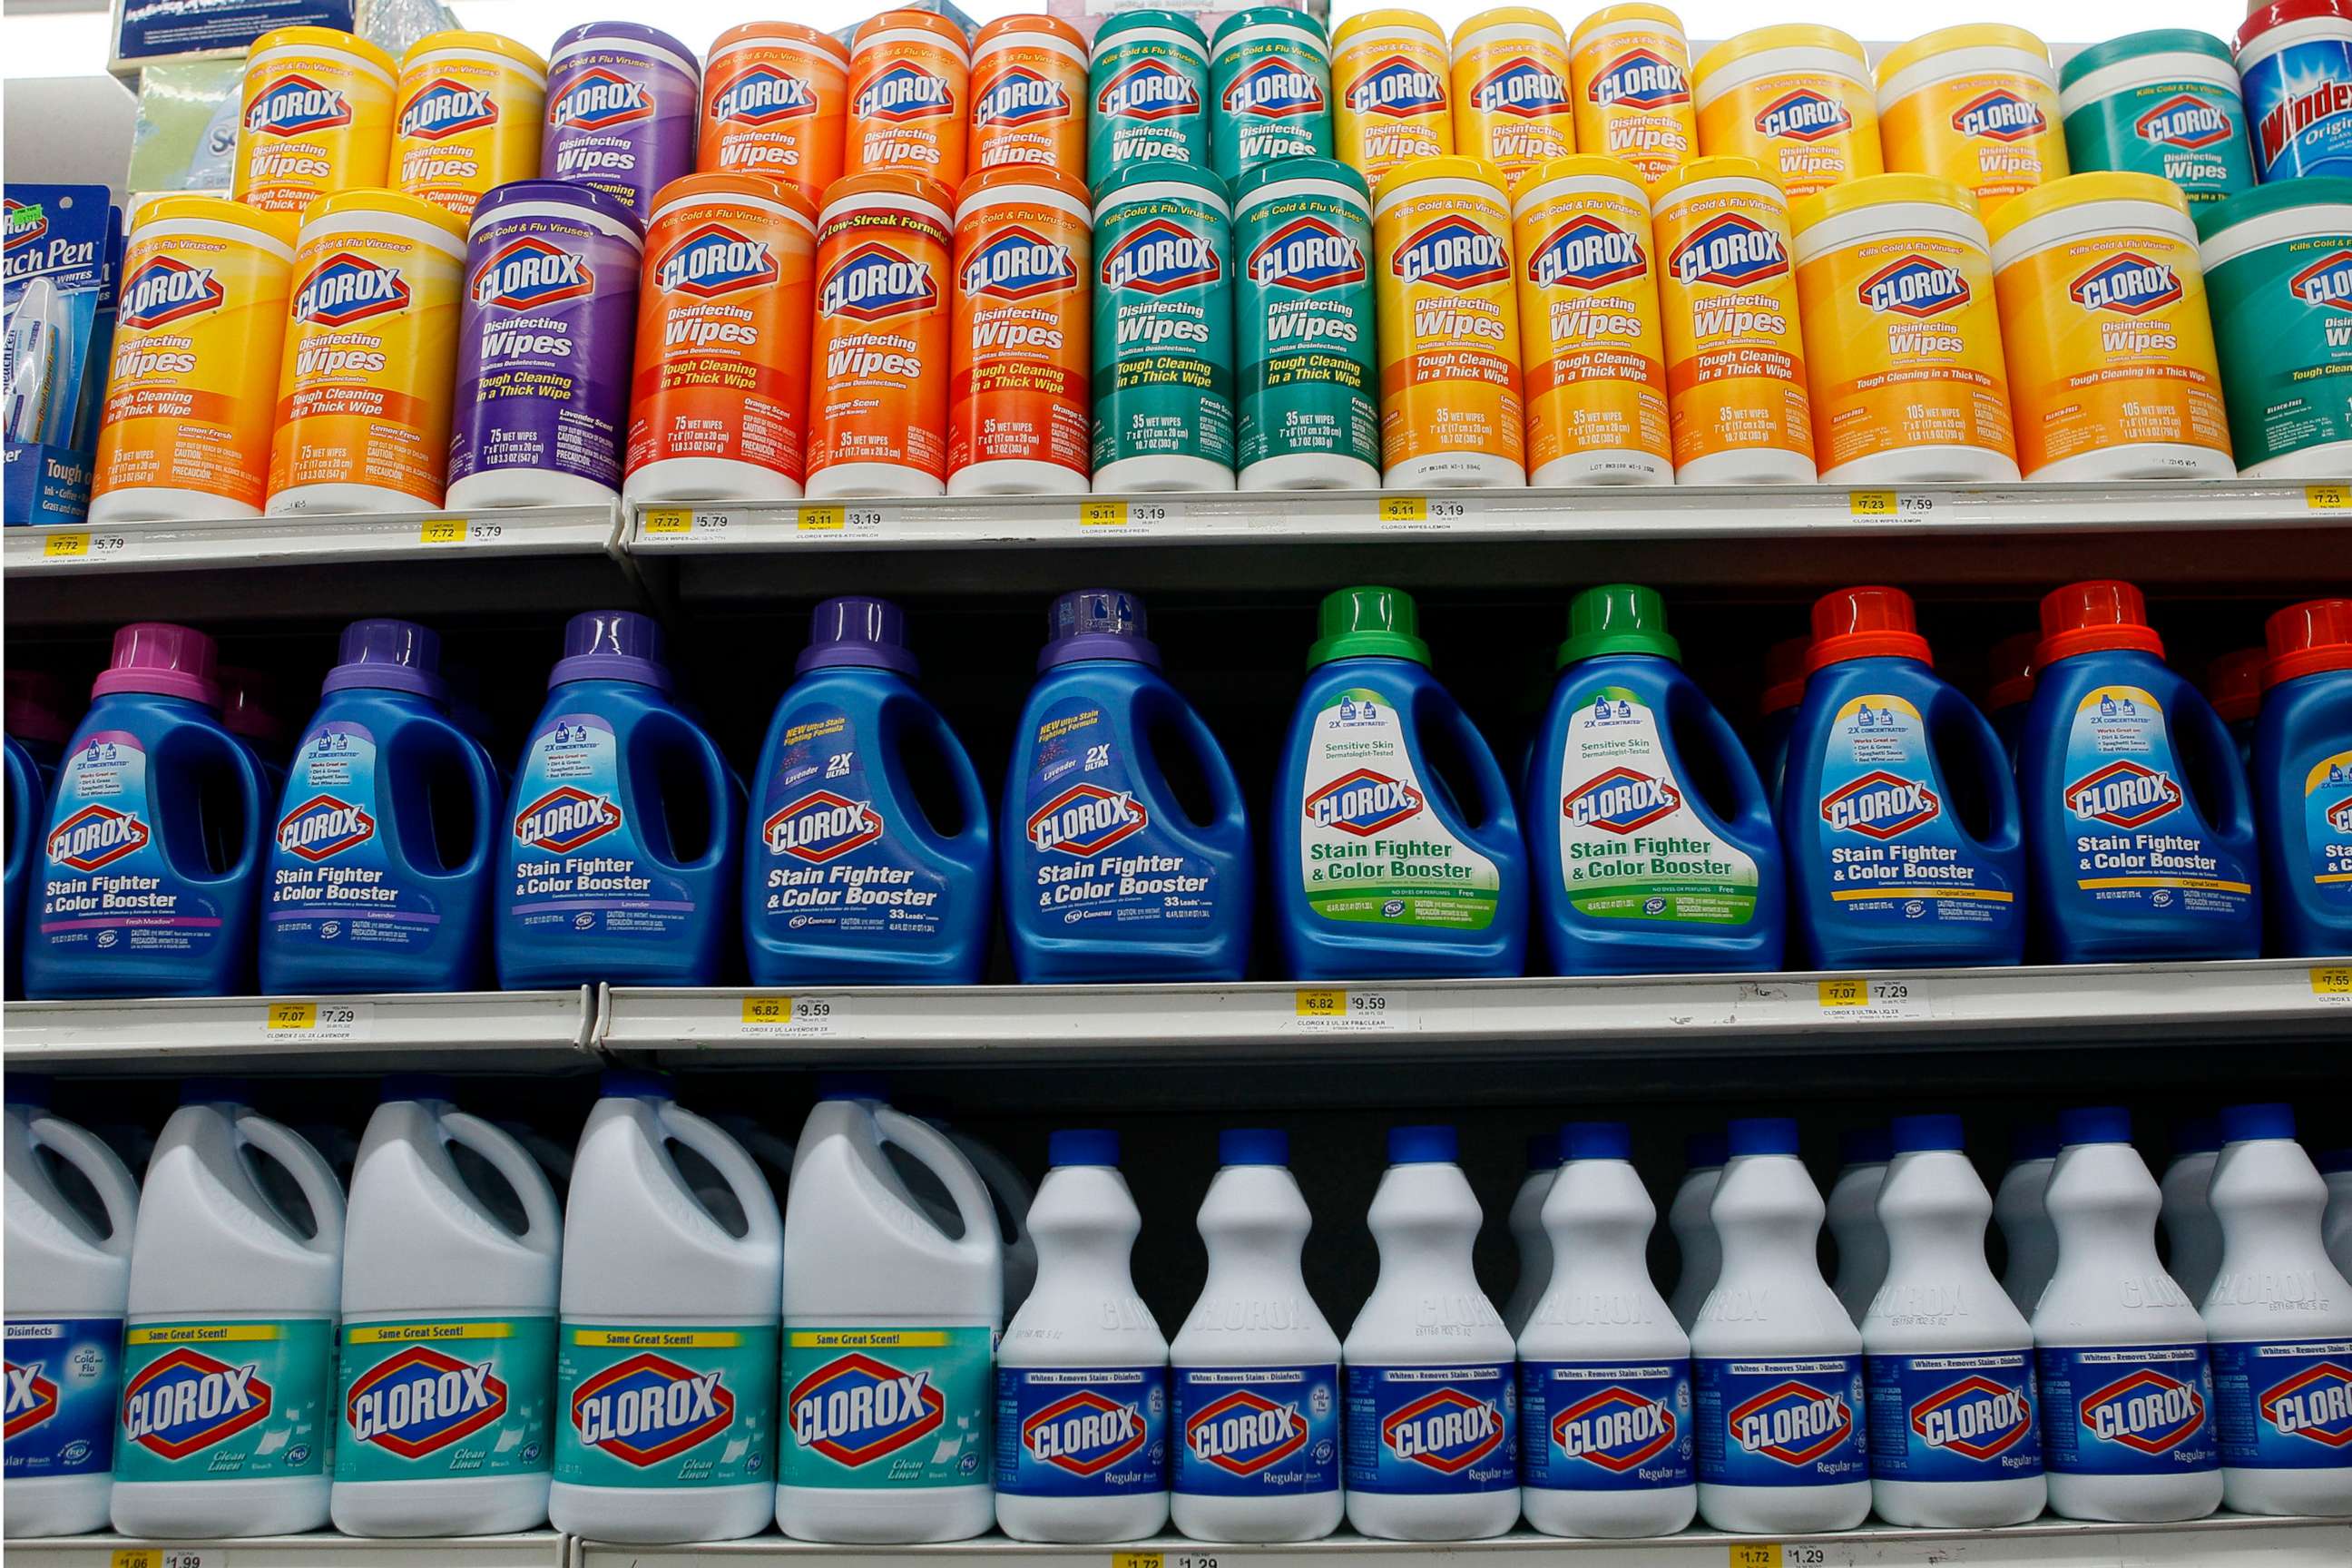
[151, 866]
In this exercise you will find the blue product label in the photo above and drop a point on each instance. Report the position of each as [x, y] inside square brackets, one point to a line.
[1081, 1431]
[1894, 849]
[158, 29]
[2299, 103]
[106, 887]
[1097, 861]
[2141, 1410]
[2137, 844]
[2327, 827]
[2279, 1405]
[330, 876]
[1780, 1423]
[834, 866]
[578, 865]
[1605, 1426]
[62, 1377]
[1419, 1431]
[1257, 1431]
[1953, 1417]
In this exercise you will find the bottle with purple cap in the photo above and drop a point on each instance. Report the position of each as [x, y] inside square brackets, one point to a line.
[856, 874]
[380, 861]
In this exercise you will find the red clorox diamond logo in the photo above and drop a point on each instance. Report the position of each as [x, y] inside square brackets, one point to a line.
[1447, 1431]
[649, 1408]
[1085, 819]
[1976, 1418]
[96, 836]
[1363, 802]
[564, 819]
[423, 1400]
[1880, 804]
[1621, 801]
[1794, 1422]
[186, 1401]
[2316, 1402]
[1244, 1433]
[820, 826]
[1085, 1433]
[32, 1398]
[2148, 1411]
[2124, 793]
[1616, 1429]
[322, 827]
[854, 1409]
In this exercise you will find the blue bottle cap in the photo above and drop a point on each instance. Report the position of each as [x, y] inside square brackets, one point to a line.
[1543, 1151]
[1252, 1146]
[2331, 1162]
[1925, 1135]
[1597, 1140]
[418, 1086]
[851, 1086]
[2245, 1123]
[389, 656]
[30, 1090]
[2034, 1140]
[1097, 623]
[2094, 1124]
[1082, 1146]
[633, 1083]
[854, 633]
[1762, 1135]
[214, 1091]
[1705, 1150]
[2199, 1135]
[1423, 1146]
[611, 644]
[1864, 1146]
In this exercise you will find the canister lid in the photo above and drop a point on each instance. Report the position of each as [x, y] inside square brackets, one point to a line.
[2308, 639]
[518, 192]
[1029, 22]
[1452, 166]
[1620, 618]
[1161, 171]
[1577, 166]
[389, 204]
[1877, 190]
[159, 657]
[1268, 16]
[325, 39]
[929, 22]
[1634, 11]
[1367, 622]
[1098, 622]
[719, 183]
[1151, 22]
[497, 44]
[2263, 19]
[277, 226]
[622, 32]
[1330, 170]
[892, 182]
[1508, 17]
[856, 632]
[1971, 36]
[1010, 176]
[1788, 36]
[1872, 622]
[2078, 190]
[1722, 166]
[761, 32]
[1366, 21]
[2132, 45]
[384, 654]
[2214, 218]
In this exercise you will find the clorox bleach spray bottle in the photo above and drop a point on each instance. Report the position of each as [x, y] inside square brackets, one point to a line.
[1432, 1406]
[1256, 1369]
[2192, 1235]
[2126, 1380]
[2280, 1318]
[1527, 1232]
[1082, 1375]
[1688, 1216]
[66, 1285]
[447, 1366]
[665, 1351]
[1605, 1418]
[2025, 1231]
[1953, 1443]
[1777, 1361]
[1852, 1206]
[889, 1324]
[229, 1377]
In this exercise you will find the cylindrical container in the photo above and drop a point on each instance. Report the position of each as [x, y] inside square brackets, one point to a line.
[2162, 103]
[1019, 419]
[623, 103]
[1163, 348]
[191, 386]
[1149, 84]
[469, 120]
[775, 101]
[1390, 98]
[2278, 275]
[1451, 412]
[1735, 350]
[2294, 61]
[1902, 336]
[317, 118]
[1593, 355]
[2112, 369]
[1629, 66]
[1975, 105]
[909, 98]
[1306, 383]
[719, 406]
[544, 338]
[1797, 99]
[1270, 83]
[879, 408]
[370, 347]
[1029, 94]
[1511, 104]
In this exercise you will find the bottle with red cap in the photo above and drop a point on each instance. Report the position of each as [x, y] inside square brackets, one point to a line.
[1784, 691]
[1897, 808]
[2010, 691]
[2234, 685]
[2302, 778]
[2140, 829]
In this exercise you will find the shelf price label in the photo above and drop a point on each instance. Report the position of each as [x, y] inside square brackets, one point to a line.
[1889, 506]
[1857, 998]
[2328, 498]
[791, 1017]
[1173, 1560]
[1112, 513]
[166, 1557]
[71, 545]
[459, 531]
[1421, 509]
[1335, 1009]
[2332, 983]
[677, 521]
[320, 1020]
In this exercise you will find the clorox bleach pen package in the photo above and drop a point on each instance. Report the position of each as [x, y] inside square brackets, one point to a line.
[63, 246]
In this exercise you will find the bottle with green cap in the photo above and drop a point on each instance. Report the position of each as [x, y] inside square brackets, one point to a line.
[1662, 856]
[1384, 866]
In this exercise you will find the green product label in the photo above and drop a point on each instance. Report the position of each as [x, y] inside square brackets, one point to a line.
[877, 1409]
[242, 1399]
[1164, 350]
[1371, 848]
[1272, 96]
[644, 1405]
[1150, 101]
[2190, 133]
[2282, 322]
[449, 1396]
[1630, 848]
[1309, 381]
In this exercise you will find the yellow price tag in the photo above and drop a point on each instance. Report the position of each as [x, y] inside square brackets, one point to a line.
[1102, 514]
[669, 519]
[2328, 498]
[135, 1557]
[1756, 1554]
[1136, 1560]
[442, 531]
[2331, 980]
[1868, 503]
[821, 519]
[1847, 991]
[767, 1009]
[293, 1015]
[1322, 1004]
[1404, 509]
[71, 545]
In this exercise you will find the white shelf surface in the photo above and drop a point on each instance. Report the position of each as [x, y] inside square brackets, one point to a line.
[537, 1549]
[268, 542]
[482, 1031]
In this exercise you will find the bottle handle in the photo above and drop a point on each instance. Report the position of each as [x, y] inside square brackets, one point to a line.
[482, 781]
[966, 777]
[1747, 784]
[1496, 811]
[736, 1168]
[310, 1173]
[2004, 818]
[2234, 815]
[105, 1171]
[544, 1222]
[935, 1150]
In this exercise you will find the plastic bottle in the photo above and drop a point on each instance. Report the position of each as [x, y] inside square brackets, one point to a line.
[36, 717]
[1391, 102]
[1108, 875]
[447, 1364]
[1029, 95]
[851, 880]
[1255, 1371]
[1270, 86]
[1952, 1438]
[622, 104]
[775, 103]
[316, 118]
[1629, 69]
[1514, 107]
[66, 1287]
[2302, 778]
[889, 1326]
[1779, 1363]
[2294, 61]
[1306, 389]
[1149, 80]
[2126, 1384]
[27, 808]
[2192, 1235]
[2336, 1225]
[1643, 874]
[1381, 867]
[2010, 697]
[665, 1353]
[2163, 102]
[1783, 694]
[2142, 829]
[2026, 1234]
[1019, 416]
[1524, 1222]
[469, 106]
[1690, 1217]
[909, 98]
[879, 357]
[1797, 99]
[1082, 1375]
[1604, 1371]
[1163, 329]
[250, 703]
[2279, 1315]
[1853, 1213]
[228, 1378]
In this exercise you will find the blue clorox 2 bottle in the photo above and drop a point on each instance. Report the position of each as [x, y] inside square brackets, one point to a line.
[1897, 809]
[151, 865]
[1635, 871]
[1380, 869]
[380, 869]
[2302, 779]
[2141, 826]
[2008, 695]
[625, 827]
[1108, 874]
[1784, 693]
[849, 880]
[27, 801]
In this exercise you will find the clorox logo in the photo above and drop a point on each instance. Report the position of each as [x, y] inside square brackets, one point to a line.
[2183, 120]
[1307, 255]
[1730, 252]
[1639, 79]
[1397, 89]
[2339, 815]
[1976, 1418]
[1880, 806]
[531, 272]
[442, 109]
[1621, 801]
[854, 1409]
[876, 282]
[1244, 1433]
[598, 99]
[2315, 1403]
[1020, 97]
[1589, 253]
[294, 105]
[164, 290]
[1085, 819]
[1794, 1422]
[1915, 287]
[564, 819]
[2148, 1411]
[1447, 1431]
[2128, 285]
[1020, 264]
[1522, 88]
[714, 260]
[821, 826]
[1161, 258]
[2124, 795]
[2327, 284]
[1999, 115]
[1363, 802]
[186, 1401]
[25, 222]
[346, 289]
[32, 1399]
[1802, 115]
[1616, 1429]
[764, 96]
[1085, 1433]
[904, 91]
[97, 835]
[422, 1400]
[649, 1408]
[322, 827]
[1273, 88]
[1148, 90]
[1454, 251]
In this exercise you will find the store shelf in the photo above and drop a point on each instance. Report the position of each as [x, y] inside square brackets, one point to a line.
[538, 1549]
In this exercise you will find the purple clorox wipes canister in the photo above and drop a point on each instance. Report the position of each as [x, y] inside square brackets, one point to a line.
[622, 104]
[544, 346]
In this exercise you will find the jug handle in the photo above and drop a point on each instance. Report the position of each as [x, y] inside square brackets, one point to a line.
[104, 1170]
[1215, 767]
[737, 1169]
[967, 778]
[1752, 803]
[2004, 816]
[2234, 814]
[310, 1173]
[488, 806]
[1495, 806]
[544, 1222]
[933, 1147]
